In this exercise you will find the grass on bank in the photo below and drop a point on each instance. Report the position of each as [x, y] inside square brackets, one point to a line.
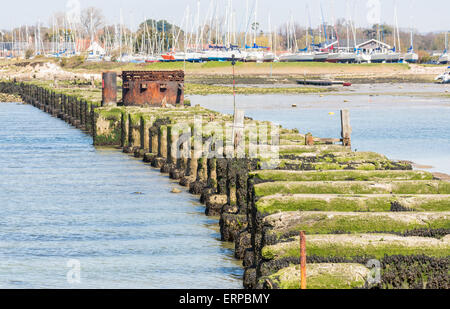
[360, 245]
[271, 175]
[201, 89]
[322, 276]
[351, 203]
[353, 187]
[354, 222]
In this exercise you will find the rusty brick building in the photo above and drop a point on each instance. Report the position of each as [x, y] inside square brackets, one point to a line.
[153, 88]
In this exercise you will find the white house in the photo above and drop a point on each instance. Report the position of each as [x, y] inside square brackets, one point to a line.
[371, 45]
[96, 50]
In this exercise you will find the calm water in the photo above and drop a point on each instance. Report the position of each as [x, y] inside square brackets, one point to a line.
[401, 127]
[62, 199]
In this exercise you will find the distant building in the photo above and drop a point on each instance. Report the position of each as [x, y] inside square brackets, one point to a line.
[96, 50]
[373, 45]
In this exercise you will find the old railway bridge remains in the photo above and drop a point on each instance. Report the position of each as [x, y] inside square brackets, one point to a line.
[353, 206]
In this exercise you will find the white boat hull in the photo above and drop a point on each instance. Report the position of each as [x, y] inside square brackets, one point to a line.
[393, 57]
[378, 57]
[342, 57]
[411, 57]
[443, 59]
[320, 57]
[362, 58]
[297, 57]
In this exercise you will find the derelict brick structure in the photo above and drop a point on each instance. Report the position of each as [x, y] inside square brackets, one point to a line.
[153, 88]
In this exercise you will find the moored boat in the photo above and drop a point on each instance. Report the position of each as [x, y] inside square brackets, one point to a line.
[320, 56]
[444, 58]
[411, 57]
[341, 57]
[378, 57]
[297, 57]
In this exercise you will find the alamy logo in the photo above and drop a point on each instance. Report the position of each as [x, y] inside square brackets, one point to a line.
[374, 276]
[73, 11]
[74, 273]
[226, 140]
[373, 12]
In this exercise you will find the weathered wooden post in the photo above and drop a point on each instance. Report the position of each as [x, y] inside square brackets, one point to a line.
[80, 113]
[231, 181]
[221, 172]
[66, 107]
[124, 130]
[346, 128]
[153, 139]
[145, 140]
[159, 161]
[69, 110]
[60, 107]
[171, 149]
[93, 121]
[86, 110]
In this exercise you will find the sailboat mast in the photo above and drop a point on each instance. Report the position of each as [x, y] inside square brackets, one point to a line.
[256, 18]
[270, 34]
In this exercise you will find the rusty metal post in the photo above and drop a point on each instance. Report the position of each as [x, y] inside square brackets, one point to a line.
[309, 140]
[303, 260]
[109, 89]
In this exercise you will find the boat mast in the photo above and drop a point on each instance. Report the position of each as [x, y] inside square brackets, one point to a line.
[256, 18]
[247, 18]
[295, 34]
[270, 34]
[324, 25]
[446, 42]
[397, 29]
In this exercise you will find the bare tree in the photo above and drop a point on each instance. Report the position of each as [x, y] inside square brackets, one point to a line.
[91, 20]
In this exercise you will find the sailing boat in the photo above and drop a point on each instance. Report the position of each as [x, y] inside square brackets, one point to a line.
[444, 58]
[394, 55]
[411, 56]
[301, 55]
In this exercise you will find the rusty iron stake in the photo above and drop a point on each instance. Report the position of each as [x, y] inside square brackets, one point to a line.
[303, 260]
[109, 89]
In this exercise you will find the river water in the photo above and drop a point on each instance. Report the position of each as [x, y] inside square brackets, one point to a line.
[65, 204]
[403, 127]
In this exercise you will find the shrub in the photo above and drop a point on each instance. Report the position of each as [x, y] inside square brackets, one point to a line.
[29, 53]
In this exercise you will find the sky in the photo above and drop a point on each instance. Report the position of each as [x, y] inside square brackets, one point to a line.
[424, 16]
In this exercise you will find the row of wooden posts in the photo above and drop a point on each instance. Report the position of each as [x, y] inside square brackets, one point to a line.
[71, 109]
[206, 176]
[223, 183]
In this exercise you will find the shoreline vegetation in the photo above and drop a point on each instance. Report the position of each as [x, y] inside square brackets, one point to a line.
[208, 78]
[5, 98]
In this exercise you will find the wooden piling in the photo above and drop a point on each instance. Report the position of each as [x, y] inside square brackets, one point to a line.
[162, 142]
[346, 131]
